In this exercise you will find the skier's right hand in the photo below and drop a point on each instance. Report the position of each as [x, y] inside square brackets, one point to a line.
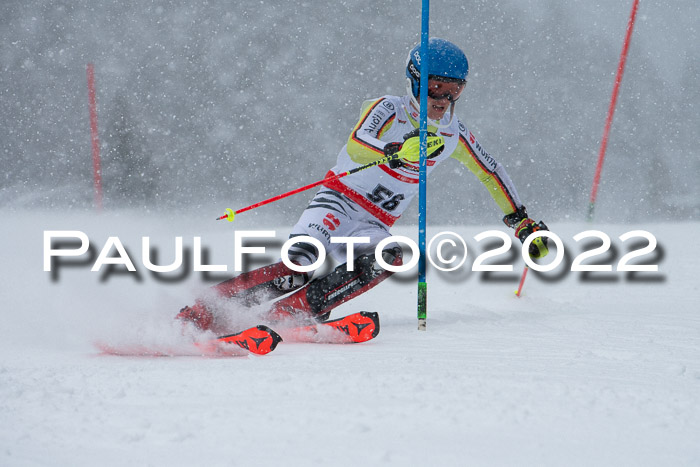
[409, 151]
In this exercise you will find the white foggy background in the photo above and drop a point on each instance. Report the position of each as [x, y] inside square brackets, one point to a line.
[207, 105]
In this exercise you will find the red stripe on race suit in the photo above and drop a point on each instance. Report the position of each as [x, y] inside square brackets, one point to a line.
[368, 206]
[401, 177]
[397, 175]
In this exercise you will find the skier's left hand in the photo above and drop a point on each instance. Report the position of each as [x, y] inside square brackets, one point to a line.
[538, 247]
[524, 226]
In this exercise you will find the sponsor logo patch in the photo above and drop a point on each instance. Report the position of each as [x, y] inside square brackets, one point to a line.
[331, 222]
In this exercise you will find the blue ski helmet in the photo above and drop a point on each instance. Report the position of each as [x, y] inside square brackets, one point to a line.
[447, 63]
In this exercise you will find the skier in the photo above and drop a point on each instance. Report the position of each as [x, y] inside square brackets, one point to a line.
[368, 203]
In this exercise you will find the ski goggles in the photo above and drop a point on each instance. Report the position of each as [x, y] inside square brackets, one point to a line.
[450, 89]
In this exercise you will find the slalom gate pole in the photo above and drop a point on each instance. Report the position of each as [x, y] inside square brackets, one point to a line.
[230, 213]
[92, 103]
[422, 165]
[611, 109]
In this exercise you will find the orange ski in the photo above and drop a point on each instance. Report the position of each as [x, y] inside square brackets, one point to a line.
[259, 340]
[354, 328]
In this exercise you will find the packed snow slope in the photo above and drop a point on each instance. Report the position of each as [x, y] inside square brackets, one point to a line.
[597, 369]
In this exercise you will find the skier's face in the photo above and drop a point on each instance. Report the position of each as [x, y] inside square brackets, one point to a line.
[441, 94]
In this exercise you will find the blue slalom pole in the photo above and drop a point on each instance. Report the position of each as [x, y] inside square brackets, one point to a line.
[422, 174]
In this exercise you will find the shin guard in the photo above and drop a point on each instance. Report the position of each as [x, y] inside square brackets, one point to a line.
[320, 296]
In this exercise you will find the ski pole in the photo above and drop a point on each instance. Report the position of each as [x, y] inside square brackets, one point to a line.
[230, 213]
[522, 281]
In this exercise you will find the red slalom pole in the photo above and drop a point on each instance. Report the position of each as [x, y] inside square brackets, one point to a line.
[92, 101]
[611, 109]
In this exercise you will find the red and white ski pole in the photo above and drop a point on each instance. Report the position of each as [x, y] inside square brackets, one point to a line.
[230, 213]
